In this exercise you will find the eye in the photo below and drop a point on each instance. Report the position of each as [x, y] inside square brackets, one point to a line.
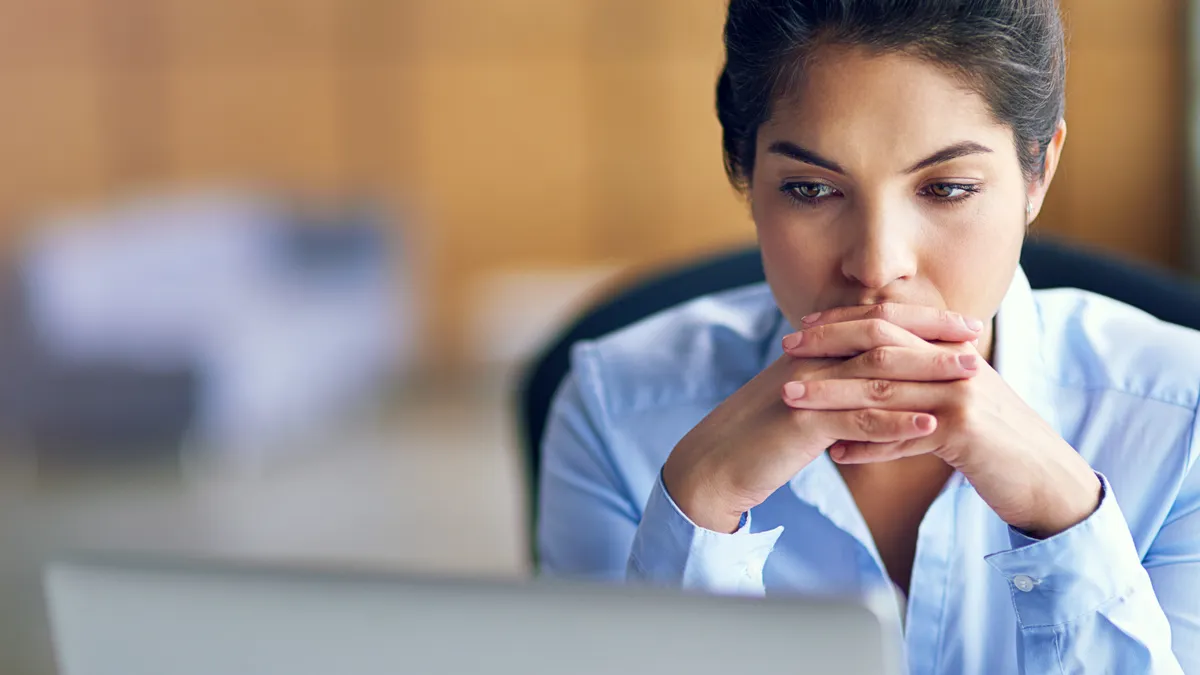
[808, 193]
[949, 192]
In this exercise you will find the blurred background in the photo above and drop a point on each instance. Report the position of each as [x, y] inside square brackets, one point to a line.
[268, 267]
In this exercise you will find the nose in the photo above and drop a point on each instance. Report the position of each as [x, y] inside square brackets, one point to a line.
[880, 248]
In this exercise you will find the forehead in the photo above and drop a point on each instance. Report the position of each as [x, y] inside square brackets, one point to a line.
[851, 103]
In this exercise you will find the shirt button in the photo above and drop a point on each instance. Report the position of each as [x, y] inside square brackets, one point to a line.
[1024, 583]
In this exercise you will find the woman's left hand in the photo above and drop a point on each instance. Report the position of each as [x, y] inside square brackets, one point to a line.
[1032, 478]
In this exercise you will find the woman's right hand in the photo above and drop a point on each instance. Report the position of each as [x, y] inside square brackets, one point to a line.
[752, 443]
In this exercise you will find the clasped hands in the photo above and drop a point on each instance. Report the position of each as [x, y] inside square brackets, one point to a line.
[877, 383]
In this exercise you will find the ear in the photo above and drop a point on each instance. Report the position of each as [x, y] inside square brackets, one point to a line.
[1037, 189]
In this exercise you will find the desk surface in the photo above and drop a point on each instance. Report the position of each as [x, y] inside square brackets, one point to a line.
[374, 494]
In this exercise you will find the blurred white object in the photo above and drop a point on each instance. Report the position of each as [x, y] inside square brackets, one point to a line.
[289, 324]
[522, 310]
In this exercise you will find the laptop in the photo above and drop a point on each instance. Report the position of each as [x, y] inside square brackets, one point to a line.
[144, 616]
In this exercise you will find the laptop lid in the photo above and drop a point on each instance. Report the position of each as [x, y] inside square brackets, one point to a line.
[173, 617]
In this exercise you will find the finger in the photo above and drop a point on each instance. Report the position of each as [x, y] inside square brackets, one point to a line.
[927, 323]
[857, 394]
[914, 365]
[855, 452]
[869, 425]
[849, 338]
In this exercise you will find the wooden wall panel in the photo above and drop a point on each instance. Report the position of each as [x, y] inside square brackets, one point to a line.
[49, 34]
[262, 125]
[264, 33]
[500, 168]
[1122, 173]
[705, 211]
[528, 133]
[1121, 184]
[628, 214]
[53, 140]
[1116, 24]
[511, 31]
[659, 189]
[380, 135]
[499, 158]
[691, 29]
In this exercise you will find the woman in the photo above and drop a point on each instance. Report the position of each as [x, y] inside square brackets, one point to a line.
[896, 407]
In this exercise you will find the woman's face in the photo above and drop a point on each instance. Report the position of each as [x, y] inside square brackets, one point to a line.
[883, 179]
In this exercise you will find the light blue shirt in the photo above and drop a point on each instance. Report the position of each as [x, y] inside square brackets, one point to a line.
[1118, 593]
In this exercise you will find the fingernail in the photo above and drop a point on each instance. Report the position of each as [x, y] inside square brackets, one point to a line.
[794, 390]
[974, 324]
[811, 318]
[837, 452]
[968, 361]
[923, 422]
[792, 341]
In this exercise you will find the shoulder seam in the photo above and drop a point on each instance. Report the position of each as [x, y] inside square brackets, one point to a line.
[1190, 406]
[1193, 439]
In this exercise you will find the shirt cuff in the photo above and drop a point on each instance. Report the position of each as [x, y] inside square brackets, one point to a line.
[670, 549]
[1067, 576]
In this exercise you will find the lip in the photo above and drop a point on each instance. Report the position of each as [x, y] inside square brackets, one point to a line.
[870, 301]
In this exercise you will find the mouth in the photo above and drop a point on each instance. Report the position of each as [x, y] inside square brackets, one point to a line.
[867, 302]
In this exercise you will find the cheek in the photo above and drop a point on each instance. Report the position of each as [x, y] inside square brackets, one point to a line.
[972, 255]
[784, 237]
[797, 257]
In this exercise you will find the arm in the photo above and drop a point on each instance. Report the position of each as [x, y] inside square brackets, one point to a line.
[1085, 599]
[589, 527]
[586, 521]
[1173, 563]
[1099, 606]
[593, 523]
[1085, 603]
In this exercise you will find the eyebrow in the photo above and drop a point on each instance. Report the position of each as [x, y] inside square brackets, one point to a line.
[948, 153]
[793, 151]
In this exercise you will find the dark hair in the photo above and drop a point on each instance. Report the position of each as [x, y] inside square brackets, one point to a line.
[1009, 51]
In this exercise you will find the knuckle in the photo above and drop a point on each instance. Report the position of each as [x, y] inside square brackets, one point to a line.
[879, 358]
[968, 395]
[947, 362]
[964, 399]
[885, 311]
[880, 390]
[961, 417]
[866, 421]
[879, 330]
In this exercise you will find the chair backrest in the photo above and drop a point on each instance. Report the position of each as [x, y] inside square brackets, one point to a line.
[1047, 264]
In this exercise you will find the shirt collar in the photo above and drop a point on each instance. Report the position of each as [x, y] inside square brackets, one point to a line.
[1017, 349]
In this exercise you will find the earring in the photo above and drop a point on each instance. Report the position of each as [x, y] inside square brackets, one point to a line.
[1028, 209]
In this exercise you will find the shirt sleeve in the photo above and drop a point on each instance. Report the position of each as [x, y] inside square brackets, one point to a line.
[669, 549]
[1085, 603]
[589, 527]
[586, 521]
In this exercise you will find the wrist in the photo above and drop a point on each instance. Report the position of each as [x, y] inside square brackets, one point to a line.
[1064, 505]
[699, 503]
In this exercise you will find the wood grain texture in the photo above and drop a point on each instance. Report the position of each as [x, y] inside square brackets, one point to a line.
[525, 133]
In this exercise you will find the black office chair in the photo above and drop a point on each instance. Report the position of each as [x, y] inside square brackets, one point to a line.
[1046, 263]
